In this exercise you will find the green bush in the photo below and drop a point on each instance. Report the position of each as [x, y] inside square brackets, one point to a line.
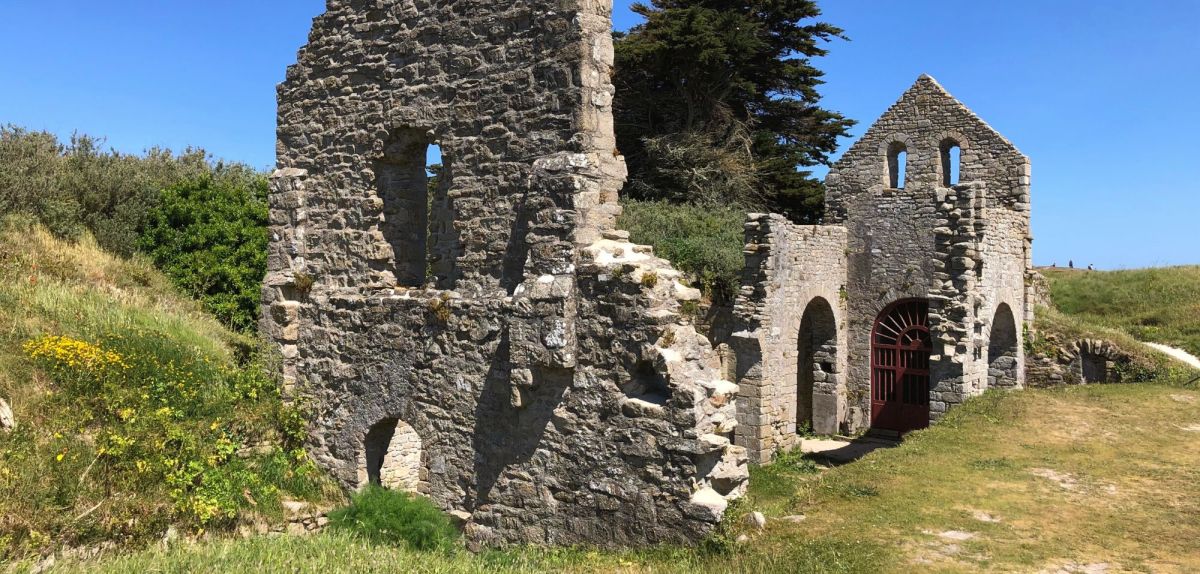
[704, 241]
[76, 187]
[391, 517]
[209, 235]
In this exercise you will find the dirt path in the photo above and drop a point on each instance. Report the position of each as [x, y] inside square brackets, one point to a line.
[1180, 354]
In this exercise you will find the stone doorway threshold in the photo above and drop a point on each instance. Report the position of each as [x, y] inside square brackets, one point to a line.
[843, 450]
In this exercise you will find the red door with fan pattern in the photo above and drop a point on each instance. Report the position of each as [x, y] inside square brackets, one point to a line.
[900, 350]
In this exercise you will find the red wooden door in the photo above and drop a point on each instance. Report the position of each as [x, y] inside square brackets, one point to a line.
[900, 350]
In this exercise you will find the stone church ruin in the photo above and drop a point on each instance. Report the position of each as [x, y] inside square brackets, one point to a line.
[485, 336]
[910, 299]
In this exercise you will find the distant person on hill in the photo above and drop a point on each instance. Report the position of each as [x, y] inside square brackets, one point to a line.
[1091, 267]
[1071, 264]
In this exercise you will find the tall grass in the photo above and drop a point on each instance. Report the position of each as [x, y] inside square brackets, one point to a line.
[132, 405]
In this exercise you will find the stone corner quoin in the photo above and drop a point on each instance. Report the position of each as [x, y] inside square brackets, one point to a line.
[489, 339]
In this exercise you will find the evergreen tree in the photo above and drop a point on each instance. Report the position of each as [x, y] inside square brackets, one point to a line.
[729, 83]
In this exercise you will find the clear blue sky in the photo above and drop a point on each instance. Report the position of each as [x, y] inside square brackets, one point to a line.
[1103, 95]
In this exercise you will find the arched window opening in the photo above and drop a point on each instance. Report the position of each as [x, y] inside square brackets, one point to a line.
[412, 179]
[1003, 350]
[816, 368]
[951, 164]
[897, 165]
[393, 458]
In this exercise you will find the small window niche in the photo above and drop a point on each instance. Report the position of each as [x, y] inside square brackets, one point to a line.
[411, 178]
[951, 162]
[897, 161]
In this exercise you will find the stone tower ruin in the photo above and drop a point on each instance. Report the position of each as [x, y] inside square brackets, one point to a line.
[486, 337]
[909, 300]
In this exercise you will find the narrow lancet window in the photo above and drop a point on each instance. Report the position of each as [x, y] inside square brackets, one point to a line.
[951, 164]
[897, 165]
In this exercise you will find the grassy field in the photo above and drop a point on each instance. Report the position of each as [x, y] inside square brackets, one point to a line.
[1025, 482]
[1160, 305]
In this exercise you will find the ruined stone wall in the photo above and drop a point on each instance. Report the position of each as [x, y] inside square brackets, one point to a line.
[964, 247]
[791, 270]
[557, 395]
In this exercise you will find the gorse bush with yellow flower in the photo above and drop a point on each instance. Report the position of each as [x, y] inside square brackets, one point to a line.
[136, 412]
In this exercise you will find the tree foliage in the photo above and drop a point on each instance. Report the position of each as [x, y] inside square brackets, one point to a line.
[77, 187]
[209, 235]
[202, 223]
[739, 75]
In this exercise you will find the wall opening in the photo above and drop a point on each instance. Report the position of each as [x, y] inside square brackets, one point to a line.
[901, 349]
[1095, 368]
[393, 458]
[1003, 349]
[817, 356]
[412, 180]
[951, 162]
[897, 165]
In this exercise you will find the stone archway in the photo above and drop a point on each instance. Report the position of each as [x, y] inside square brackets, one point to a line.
[817, 368]
[393, 457]
[1004, 350]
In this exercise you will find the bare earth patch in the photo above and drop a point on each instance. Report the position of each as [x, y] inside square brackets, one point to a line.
[1077, 568]
[1065, 480]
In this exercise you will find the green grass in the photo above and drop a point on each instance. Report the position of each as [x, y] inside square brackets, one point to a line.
[1159, 305]
[1035, 480]
[131, 405]
[392, 517]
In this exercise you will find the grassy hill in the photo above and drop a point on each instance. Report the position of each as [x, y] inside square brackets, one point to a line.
[135, 410]
[1160, 305]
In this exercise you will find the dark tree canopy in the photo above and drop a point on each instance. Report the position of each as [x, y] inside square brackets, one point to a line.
[728, 83]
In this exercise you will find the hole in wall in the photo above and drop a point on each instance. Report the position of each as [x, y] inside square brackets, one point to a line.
[648, 384]
[393, 457]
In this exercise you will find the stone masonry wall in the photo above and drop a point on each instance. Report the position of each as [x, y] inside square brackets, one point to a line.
[557, 394]
[792, 270]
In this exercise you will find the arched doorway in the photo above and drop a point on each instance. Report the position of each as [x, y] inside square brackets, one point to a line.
[900, 351]
[393, 458]
[1003, 349]
[817, 360]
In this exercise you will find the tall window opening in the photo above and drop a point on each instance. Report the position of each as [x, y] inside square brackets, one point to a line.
[897, 165]
[411, 179]
[951, 163]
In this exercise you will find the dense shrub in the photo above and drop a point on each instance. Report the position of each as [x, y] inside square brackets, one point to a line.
[392, 517]
[209, 235]
[76, 187]
[705, 241]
